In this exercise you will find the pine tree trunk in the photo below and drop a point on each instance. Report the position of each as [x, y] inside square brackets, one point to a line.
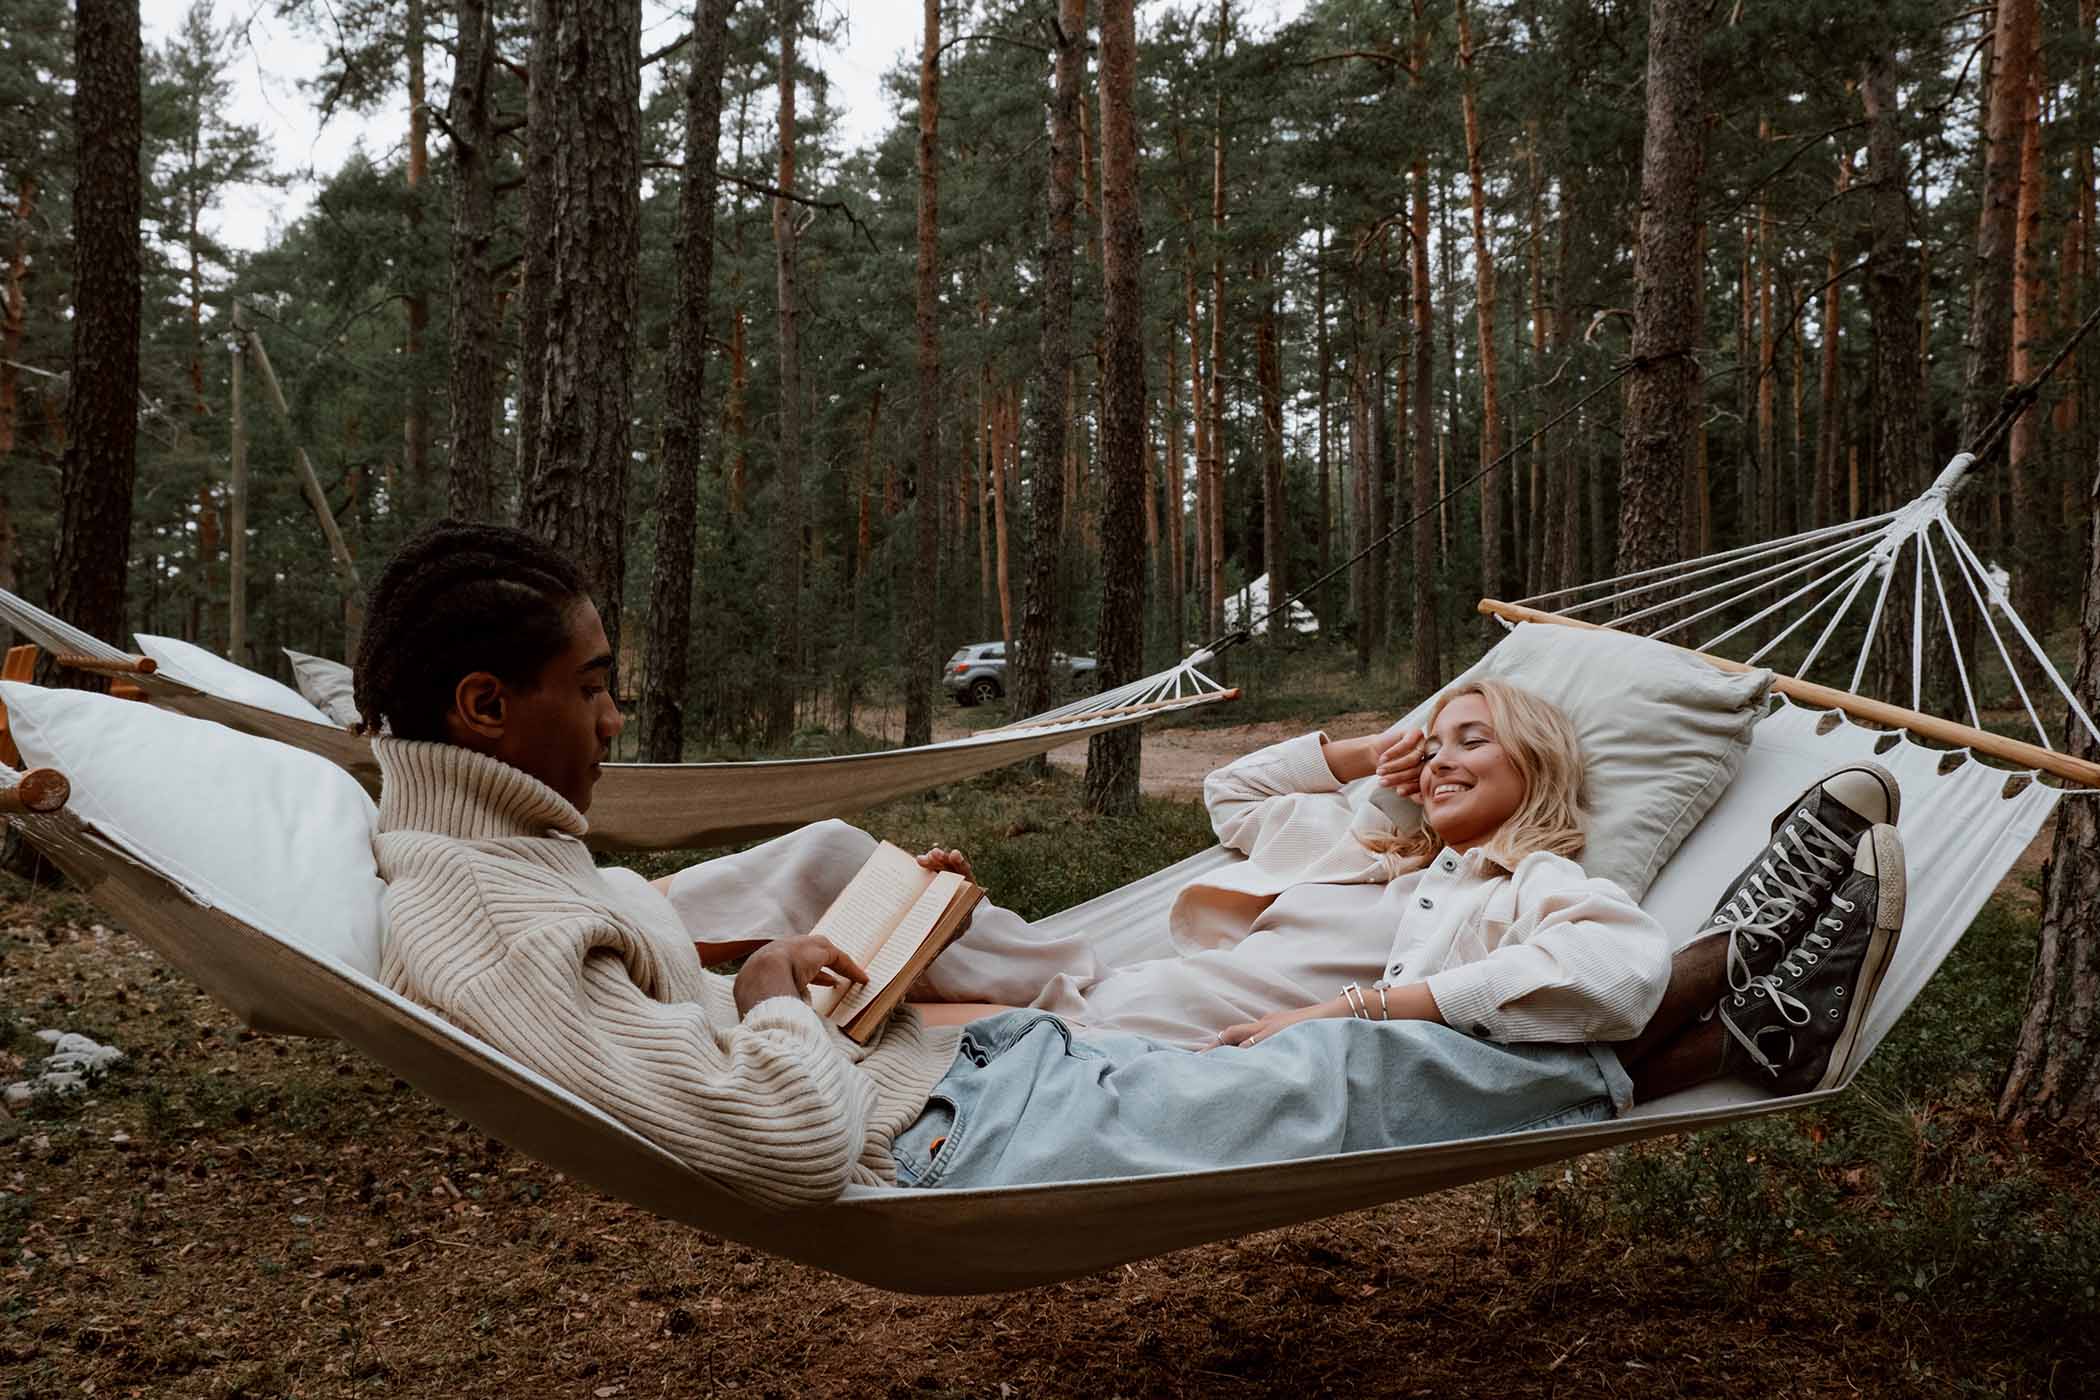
[982, 487]
[1662, 391]
[1396, 482]
[1829, 416]
[685, 394]
[1492, 486]
[1216, 524]
[1988, 345]
[1544, 562]
[1323, 448]
[1006, 447]
[1176, 477]
[586, 95]
[1269, 370]
[1361, 588]
[415, 426]
[784, 685]
[2054, 1080]
[1112, 758]
[1891, 292]
[919, 658]
[93, 551]
[1044, 602]
[1427, 648]
[1199, 427]
[2024, 458]
[1767, 424]
[474, 369]
[12, 327]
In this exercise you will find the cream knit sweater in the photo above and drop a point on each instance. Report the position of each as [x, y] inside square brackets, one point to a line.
[498, 921]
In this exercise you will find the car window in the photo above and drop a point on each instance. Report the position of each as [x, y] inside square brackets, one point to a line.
[995, 653]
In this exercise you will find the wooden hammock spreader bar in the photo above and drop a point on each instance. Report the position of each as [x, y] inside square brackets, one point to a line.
[1089, 716]
[129, 666]
[40, 790]
[1829, 697]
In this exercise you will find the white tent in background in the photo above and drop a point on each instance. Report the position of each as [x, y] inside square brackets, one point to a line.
[1252, 600]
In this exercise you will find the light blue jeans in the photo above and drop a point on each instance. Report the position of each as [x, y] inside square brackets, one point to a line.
[1027, 1102]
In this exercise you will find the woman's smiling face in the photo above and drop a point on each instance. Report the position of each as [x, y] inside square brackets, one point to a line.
[1469, 786]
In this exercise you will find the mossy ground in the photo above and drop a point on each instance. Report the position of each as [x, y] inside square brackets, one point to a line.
[232, 1215]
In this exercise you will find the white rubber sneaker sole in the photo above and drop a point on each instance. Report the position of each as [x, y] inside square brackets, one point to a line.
[1886, 850]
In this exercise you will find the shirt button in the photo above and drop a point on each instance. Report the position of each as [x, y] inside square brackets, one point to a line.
[1450, 864]
[1428, 903]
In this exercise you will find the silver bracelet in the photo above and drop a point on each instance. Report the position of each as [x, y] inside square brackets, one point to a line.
[1353, 998]
[1384, 1014]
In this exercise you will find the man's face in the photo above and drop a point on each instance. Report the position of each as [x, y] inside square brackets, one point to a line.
[561, 729]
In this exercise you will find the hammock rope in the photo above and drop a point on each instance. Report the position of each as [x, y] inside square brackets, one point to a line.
[1842, 562]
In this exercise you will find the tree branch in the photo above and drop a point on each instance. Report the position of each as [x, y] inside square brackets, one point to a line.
[989, 38]
[838, 206]
[668, 49]
[1392, 60]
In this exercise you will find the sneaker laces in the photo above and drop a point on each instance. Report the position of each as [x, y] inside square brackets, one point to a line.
[1791, 1008]
[1801, 867]
[1749, 1044]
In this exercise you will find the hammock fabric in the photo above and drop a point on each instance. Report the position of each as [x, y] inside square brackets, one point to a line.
[1961, 832]
[675, 806]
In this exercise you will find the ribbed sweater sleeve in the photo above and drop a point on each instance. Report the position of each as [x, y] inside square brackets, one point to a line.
[517, 940]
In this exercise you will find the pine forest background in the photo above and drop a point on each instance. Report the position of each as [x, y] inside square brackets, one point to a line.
[1381, 244]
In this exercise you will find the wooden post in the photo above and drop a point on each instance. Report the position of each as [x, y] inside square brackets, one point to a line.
[339, 553]
[39, 790]
[237, 518]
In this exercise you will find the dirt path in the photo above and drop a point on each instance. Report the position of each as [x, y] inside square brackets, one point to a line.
[1176, 761]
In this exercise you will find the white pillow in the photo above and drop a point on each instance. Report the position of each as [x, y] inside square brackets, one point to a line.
[1663, 734]
[215, 675]
[328, 684]
[276, 836]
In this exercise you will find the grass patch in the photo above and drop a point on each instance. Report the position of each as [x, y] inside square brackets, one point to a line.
[1903, 1192]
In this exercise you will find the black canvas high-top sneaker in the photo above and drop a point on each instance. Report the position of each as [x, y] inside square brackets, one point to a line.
[1796, 1026]
[1768, 906]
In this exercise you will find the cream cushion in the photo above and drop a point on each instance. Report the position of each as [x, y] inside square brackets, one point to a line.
[215, 675]
[326, 684]
[1663, 735]
[276, 836]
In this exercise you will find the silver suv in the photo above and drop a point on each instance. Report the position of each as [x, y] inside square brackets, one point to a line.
[976, 674]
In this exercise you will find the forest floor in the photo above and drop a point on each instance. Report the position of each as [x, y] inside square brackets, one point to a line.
[232, 1215]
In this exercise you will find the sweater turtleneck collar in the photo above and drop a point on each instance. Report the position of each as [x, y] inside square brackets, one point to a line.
[453, 791]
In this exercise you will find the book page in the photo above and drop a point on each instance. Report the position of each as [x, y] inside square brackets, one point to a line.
[860, 919]
[912, 929]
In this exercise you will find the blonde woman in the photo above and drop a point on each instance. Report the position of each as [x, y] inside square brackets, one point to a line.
[1475, 916]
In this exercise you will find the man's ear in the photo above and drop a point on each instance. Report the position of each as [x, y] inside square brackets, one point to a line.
[480, 708]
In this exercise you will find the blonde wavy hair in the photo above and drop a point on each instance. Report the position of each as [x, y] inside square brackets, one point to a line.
[1542, 746]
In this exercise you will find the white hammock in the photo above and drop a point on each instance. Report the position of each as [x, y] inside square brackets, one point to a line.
[1961, 836]
[673, 806]
[1963, 825]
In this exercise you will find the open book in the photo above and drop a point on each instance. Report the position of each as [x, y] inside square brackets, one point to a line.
[893, 918]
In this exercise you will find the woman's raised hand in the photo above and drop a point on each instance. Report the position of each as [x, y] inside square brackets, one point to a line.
[1400, 759]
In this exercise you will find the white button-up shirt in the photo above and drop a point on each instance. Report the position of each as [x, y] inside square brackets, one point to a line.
[1541, 953]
